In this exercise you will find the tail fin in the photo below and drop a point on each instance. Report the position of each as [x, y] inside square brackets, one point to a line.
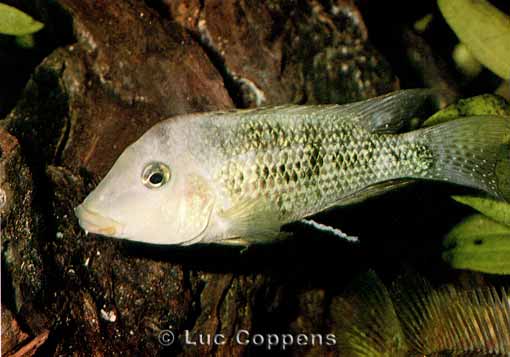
[472, 151]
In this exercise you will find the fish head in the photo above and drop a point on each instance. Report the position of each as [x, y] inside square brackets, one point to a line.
[152, 194]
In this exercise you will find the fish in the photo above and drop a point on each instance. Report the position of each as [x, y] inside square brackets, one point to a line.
[238, 176]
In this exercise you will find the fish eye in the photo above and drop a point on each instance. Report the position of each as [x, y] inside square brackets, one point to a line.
[155, 174]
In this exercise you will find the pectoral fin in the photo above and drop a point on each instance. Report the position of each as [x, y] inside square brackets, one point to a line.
[251, 220]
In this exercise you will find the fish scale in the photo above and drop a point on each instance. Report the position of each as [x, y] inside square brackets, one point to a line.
[305, 164]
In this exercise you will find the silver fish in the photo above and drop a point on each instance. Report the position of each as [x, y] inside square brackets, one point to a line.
[238, 176]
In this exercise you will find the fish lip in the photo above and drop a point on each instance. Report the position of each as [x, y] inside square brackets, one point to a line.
[93, 222]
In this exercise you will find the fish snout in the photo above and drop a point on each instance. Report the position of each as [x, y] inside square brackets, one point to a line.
[93, 222]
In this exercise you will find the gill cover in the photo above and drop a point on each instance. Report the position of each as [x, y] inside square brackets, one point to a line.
[194, 209]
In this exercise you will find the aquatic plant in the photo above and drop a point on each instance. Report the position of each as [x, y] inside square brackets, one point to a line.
[483, 29]
[412, 318]
[17, 23]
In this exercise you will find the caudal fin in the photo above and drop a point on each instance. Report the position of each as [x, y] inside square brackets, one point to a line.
[472, 151]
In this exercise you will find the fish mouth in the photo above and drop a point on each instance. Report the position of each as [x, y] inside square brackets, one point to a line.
[93, 222]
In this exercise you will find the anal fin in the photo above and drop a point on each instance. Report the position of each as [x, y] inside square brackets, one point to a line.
[374, 190]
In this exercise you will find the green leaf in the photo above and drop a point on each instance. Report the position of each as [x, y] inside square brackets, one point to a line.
[485, 104]
[17, 23]
[483, 29]
[25, 41]
[422, 24]
[497, 210]
[479, 243]
[465, 61]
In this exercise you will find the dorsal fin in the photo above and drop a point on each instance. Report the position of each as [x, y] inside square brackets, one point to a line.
[391, 112]
[384, 114]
